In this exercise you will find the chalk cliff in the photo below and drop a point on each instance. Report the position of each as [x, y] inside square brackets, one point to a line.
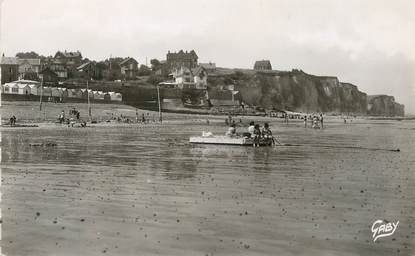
[384, 105]
[297, 91]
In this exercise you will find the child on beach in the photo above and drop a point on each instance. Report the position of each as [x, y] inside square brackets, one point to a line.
[231, 131]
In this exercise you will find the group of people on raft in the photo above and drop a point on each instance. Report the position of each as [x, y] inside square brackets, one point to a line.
[255, 132]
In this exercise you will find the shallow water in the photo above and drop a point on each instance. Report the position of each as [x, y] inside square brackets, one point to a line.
[133, 190]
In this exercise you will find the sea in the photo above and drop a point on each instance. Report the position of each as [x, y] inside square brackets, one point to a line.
[143, 189]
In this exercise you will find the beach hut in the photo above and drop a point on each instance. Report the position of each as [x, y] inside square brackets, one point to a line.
[77, 93]
[65, 93]
[72, 93]
[115, 96]
[23, 89]
[47, 91]
[9, 88]
[86, 92]
[56, 92]
[118, 96]
[99, 95]
[14, 88]
[107, 96]
[34, 89]
[95, 93]
[91, 94]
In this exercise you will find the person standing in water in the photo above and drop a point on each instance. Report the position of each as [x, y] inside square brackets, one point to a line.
[267, 134]
[257, 135]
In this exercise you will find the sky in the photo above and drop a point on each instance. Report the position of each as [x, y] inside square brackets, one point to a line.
[368, 43]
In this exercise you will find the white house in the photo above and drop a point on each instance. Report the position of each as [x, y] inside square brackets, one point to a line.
[190, 78]
[200, 77]
[27, 66]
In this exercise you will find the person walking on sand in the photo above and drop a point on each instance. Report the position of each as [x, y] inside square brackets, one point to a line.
[321, 120]
[251, 129]
[12, 121]
[305, 121]
[136, 115]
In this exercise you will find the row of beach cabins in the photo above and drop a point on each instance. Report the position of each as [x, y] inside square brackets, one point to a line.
[26, 87]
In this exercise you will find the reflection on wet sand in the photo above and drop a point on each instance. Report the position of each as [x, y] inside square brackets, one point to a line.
[147, 191]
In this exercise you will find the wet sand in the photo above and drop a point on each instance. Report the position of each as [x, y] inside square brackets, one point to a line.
[144, 190]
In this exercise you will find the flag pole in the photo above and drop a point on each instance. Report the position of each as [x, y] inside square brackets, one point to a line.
[89, 106]
[41, 93]
[159, 103]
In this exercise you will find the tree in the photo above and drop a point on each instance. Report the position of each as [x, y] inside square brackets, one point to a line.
[144, 70]
[155, 80]
[31, 76]
[28, 55]
[155, 64]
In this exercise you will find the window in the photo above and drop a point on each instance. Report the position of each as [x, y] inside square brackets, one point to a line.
[15, 90]
[6, 89]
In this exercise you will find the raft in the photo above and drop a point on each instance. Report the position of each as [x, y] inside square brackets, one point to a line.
[226, 140]
[18, 125]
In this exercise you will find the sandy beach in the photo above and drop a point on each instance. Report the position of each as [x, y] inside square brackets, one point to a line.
[134, 189]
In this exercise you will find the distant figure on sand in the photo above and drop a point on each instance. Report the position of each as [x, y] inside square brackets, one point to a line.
[12, 121]
[61, 117]
[305, 121]
[251, 128]
[315, 123]
[136, 115]
[231, 131]
[321, 120]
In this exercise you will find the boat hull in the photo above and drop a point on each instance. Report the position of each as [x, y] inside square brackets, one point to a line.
[225, 140]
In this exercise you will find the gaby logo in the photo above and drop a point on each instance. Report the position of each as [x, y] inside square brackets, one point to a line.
[382, 228]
